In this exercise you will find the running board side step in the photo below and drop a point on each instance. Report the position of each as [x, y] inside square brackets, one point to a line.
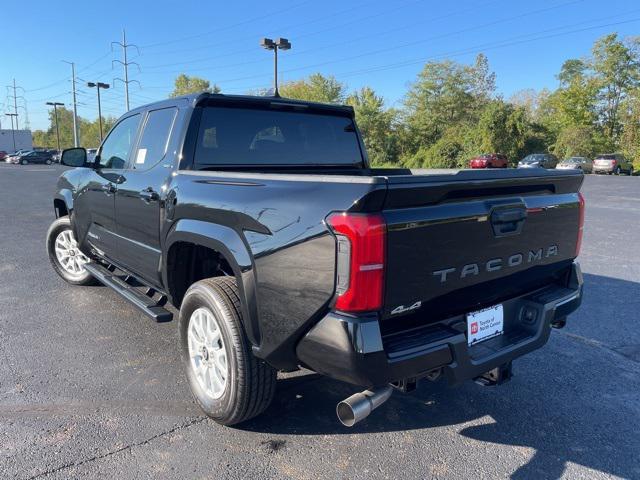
[144, 301]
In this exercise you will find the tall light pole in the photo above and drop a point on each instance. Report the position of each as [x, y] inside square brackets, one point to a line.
[278, 44]
[13, 132]
[55, 109]
[98, 86]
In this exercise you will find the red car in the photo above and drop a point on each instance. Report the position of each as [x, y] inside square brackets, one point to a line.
[490, 160]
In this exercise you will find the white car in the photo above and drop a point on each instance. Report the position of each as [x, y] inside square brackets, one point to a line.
[91, 154]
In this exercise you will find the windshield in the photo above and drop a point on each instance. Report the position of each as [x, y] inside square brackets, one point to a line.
[249, 136]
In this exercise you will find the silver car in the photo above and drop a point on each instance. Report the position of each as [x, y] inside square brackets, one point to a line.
[538, 160]
[576, 163]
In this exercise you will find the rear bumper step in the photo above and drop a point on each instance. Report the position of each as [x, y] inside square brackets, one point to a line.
[352, 349]
[144, 301]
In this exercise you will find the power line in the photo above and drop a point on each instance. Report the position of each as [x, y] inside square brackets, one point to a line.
[490, 45]
[483, 48]
[393, 30]
[227, 27]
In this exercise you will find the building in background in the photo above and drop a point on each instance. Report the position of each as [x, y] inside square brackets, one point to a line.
[24, 140]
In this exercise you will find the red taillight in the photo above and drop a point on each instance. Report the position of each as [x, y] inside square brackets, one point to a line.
[360, 260]
[580, 222]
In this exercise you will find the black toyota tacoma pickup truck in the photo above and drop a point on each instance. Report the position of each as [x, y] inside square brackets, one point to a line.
[261, 221]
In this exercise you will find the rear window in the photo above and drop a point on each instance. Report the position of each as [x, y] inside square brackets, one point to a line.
[242, 136]
[607, 157]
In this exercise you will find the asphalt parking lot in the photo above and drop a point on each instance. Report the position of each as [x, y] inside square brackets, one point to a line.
[89, 387]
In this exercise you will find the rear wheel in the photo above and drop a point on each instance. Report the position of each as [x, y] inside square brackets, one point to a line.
[47, 161]
[617, 170]
[229, 383]
[24, 161]
[65, 256]
[630, 171]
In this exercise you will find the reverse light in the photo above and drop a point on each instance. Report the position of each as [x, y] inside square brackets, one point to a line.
[360, 245]
[581, 206]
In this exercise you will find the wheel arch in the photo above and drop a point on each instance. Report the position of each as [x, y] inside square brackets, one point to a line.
[63, 203]
[229, 246]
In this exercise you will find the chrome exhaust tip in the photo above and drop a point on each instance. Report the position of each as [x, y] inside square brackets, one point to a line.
[359, 405]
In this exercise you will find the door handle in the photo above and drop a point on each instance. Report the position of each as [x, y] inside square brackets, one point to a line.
[108, 188]
[149, 195]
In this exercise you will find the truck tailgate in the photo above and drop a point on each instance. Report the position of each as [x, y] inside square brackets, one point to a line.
[458, 243]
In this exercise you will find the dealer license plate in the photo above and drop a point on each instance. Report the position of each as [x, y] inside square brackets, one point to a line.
[484, 324]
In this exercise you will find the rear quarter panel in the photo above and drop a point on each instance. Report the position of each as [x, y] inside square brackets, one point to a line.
[288, 279]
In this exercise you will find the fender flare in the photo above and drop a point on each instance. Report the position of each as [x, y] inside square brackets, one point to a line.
[231, 246]
[65, 196]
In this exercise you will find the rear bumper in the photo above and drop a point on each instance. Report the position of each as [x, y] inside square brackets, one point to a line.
[353, 350]
[606, 169]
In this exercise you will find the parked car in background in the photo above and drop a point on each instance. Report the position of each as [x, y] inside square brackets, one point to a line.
[489, 160]
[576, 163]
[11, 157]
[34, 157]
[91, 154]
[612, 163]
[538, 160]
[55, 155]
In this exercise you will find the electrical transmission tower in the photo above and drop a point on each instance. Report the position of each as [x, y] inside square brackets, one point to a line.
[125, 63]
[15, 98]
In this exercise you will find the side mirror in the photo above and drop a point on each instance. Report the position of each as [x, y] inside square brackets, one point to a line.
[74, 157]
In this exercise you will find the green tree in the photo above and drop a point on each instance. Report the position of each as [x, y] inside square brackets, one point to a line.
[502, 128]
[576, 140]
[630, 139]
[616, 65]
[185, 84]
[445, 94]
[316, 88]
[375, 124]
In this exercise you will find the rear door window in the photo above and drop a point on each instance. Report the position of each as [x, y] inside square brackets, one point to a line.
[155, 138]
[245, 137]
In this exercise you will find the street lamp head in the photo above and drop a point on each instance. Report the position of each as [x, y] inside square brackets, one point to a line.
[267, 43]
[283, 43]
[91, 84]
[103, 85]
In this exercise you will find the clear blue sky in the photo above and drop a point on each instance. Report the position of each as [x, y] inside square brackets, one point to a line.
[362, 42]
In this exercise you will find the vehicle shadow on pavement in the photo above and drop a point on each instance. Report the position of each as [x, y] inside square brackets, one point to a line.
[563, 403]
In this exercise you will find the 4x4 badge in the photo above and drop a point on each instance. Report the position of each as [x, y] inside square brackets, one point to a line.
[403, 309]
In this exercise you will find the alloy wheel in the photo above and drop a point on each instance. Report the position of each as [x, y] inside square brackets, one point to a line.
[207, 353]
[69, 256]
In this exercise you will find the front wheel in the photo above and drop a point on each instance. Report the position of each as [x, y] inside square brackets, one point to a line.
[24, 161]
[631, 171]
[65, 256]
[48, 162]
[229, 383]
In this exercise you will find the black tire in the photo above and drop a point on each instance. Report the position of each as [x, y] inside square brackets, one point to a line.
[251, 383]
[55, 229]
[47, 162]
[618, 170]
[630, 171]
[24, 161]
